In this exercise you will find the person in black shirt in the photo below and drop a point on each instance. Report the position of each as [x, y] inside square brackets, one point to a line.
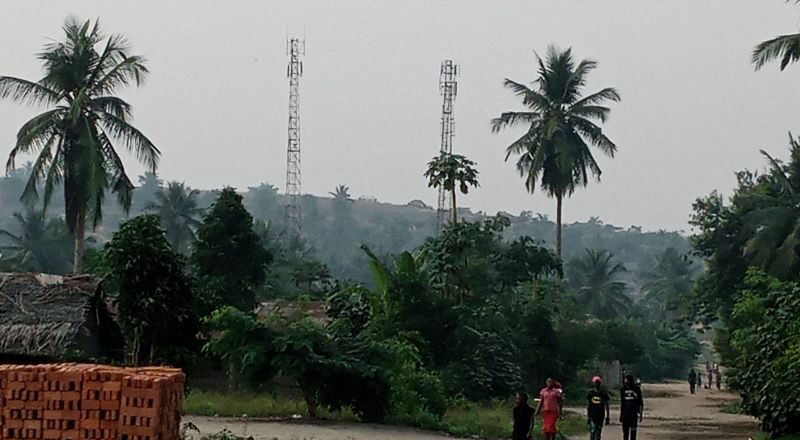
[523, 418]
[597, 409]
[631, 408]
[692, 380]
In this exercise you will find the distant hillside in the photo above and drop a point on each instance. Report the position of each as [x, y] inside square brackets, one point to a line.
[336, 227]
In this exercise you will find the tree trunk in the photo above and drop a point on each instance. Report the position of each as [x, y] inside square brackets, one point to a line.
[453, 207]
[80, 235]
[559, 200]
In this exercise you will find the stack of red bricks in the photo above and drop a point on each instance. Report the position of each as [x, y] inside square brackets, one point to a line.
[87, 401]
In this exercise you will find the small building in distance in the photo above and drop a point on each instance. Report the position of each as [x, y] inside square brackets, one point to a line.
[51, 317]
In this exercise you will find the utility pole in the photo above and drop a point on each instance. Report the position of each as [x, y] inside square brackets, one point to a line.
[295, 49]
[448, 87]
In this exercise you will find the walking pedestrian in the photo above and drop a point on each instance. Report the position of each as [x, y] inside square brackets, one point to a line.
[692, 380]
[718, 377]
[523, 418]
[597, 408]
[710, 373]
[699, 381]
[631, 408]
[551, 403]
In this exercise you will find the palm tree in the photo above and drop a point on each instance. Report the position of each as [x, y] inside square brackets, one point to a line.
[773, 222]
[73, 138]
[43, 245]
[595, 280]
[668, 283]
[786, 47]
[176, 205]
[451, 171]
[554, 153]
[341, 193]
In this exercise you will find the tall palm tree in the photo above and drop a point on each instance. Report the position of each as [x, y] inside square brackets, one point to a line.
[451, 171]
[773, 222]
[668, 283]
[73, 138]
[786, 47]
[555, 152]
[176, 205]
[43, 245]
[595, 280]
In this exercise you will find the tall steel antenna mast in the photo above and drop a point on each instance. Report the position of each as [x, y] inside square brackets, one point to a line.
[448, 87]
[295, 49]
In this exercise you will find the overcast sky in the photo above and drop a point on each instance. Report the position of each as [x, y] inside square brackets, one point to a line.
[693, 111]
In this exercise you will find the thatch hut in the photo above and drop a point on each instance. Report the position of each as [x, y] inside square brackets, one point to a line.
[51, 317]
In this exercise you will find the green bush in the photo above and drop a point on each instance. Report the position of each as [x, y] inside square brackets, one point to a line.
[766, 336]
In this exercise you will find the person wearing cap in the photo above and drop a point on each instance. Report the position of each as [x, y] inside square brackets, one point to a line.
[551, 403]
[597, 408]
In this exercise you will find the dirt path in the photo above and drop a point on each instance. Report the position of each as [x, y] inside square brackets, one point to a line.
[308, 431]
[683, 416]
[679, 417]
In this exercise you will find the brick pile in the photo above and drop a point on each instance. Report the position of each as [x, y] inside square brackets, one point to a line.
[89, 402]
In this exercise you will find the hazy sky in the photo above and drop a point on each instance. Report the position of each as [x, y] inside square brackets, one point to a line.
[693, 111]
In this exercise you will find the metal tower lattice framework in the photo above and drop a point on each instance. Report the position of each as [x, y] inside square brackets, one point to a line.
[295, 49]
[448, 87]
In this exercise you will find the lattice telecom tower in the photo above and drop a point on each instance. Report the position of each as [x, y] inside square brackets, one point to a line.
[295, 49]
[448, 87]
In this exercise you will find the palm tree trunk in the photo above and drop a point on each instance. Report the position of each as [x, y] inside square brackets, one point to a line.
[453, 208]
[559, 200]
[80, 235]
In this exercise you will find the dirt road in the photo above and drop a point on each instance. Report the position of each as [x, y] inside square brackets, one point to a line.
[678, 417]
[683, 416]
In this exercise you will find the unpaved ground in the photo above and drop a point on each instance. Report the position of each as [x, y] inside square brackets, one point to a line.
[680, 417]
[308, 431]
[684, 416]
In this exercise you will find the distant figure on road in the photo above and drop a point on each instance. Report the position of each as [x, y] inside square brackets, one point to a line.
[551, 403]
[699, 381]
[718, 376]
[692, 380]
[523, 419]
[631, 408]
[710, 371]
[597, 409]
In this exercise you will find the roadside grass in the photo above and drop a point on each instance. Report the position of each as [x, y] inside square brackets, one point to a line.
[765, 436]
[464, 419]
[731, 408]
[251, 405]
[494, 421]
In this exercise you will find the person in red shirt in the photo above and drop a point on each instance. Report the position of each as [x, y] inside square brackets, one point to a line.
[551, 403]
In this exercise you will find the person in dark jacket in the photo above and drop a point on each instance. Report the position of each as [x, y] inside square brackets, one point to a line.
[631, 408]
[523, 419]
[692, 380]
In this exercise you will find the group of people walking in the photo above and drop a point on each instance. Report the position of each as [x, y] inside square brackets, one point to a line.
[713, 374]
[598, 410]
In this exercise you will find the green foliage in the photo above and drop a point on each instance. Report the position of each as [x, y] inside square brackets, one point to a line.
[74, 138]
[229, 258]
[450, 172]
[668, 284]
[176, 206]
[595, 280]
[154, 297]
[766, 337]
[42, 245]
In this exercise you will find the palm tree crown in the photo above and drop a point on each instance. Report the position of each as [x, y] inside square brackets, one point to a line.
[450, 171]
[176, 205]
[668, 283]
[554, 153]
[73, 138]
[786, 47]
[595, 280]
[42, 245]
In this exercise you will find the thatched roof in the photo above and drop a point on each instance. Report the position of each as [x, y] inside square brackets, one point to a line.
[44, 315]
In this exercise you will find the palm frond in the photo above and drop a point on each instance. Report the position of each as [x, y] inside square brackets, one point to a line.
[131, 68]
[26, 92]
[510, 119]
[785, 47]
[133, 139]
[112, 105]
[607, 94]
